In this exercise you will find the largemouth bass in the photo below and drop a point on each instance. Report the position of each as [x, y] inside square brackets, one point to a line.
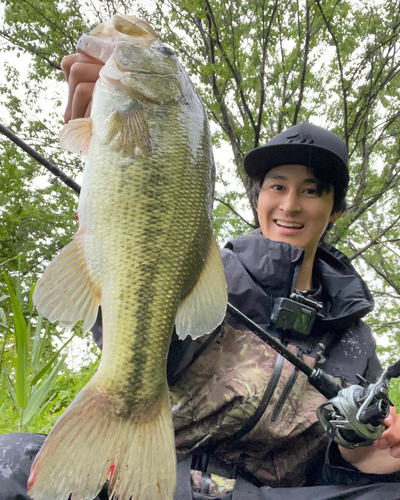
[145, 253]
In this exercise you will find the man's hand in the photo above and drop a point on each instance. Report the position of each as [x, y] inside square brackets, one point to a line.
[383, 457]
[81, 72]
[390, 439]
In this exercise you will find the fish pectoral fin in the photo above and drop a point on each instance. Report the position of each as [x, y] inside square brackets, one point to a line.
[204, 308]
[66, 292]
[127, 131]
[75, 135]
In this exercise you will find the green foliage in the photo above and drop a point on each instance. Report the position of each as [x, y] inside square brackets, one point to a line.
[35, 384]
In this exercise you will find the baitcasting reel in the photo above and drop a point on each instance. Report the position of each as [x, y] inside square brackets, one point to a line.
[355, 416]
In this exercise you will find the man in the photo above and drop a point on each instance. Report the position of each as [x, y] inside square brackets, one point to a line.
[243, 416]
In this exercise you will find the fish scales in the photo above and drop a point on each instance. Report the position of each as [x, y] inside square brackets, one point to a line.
[150, 250]
[145, 252]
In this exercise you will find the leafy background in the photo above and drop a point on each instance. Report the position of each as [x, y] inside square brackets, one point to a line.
[260, 67]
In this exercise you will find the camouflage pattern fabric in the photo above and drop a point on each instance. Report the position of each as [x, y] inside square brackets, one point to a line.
[223, 388]
[212, 484]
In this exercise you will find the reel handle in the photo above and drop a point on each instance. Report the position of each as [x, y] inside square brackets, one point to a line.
[393, 371]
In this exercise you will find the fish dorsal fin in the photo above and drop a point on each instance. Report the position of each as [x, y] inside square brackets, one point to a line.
[75, 135]
[66, 292]
[128, 131]
[204, 308]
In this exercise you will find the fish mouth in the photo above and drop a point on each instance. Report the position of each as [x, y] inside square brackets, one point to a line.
[125, 69]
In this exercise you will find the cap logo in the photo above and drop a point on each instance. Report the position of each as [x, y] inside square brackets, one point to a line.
[300, 139]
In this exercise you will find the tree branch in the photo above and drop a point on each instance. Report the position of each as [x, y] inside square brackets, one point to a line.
[234, 211]
[344, 90]
[236, 75]
[266, 37]
[304, 70]
[30, 49]
[66, 34]
[378, 271]
[374, 241]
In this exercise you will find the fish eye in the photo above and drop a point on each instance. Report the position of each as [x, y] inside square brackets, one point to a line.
[166, 51]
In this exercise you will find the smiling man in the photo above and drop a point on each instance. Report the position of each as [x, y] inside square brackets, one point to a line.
[294, 208]
[301, 183]
[251, 413]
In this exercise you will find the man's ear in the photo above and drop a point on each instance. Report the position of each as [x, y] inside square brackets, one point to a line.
[335, 216]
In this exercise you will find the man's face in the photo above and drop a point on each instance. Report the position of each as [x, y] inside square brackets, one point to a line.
[291, 210]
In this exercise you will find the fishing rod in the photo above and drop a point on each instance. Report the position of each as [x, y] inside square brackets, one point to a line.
[38, 157]
[352, 416]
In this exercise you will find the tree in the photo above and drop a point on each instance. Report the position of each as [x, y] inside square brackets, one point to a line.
[260, 66]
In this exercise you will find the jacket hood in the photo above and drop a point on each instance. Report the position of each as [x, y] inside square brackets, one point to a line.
[259, 270]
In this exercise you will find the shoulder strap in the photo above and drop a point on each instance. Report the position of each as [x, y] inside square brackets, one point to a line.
[269, 391]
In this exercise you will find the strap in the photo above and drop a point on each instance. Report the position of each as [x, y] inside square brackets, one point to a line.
[285, 393]
[214, 337]
[287, 390]
[269, 391]
[244, 490]
[183, 486]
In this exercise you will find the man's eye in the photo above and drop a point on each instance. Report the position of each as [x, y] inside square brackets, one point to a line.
[311, 191]
[277, 187]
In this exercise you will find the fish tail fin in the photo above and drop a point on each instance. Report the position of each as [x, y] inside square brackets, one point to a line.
[91, 443]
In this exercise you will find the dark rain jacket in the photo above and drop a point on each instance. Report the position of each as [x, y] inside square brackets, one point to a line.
[218, 394]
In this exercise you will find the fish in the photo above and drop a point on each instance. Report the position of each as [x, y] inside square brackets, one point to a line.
[145, 253]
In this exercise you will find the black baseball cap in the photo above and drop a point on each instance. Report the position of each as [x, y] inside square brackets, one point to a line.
[322, 151]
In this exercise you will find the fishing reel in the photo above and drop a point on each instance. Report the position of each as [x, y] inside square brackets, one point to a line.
[355, 416]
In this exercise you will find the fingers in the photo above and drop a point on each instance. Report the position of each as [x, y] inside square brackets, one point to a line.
[391, 437]
[81, 72]
[81, 102]
[70, 60]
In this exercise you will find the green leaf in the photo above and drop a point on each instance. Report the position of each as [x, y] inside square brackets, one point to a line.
[47, 367]
[11, 389]
[39, 395]
[3, 318]
[21, 341]
[37, 343]
[3, 384]
[30, 298]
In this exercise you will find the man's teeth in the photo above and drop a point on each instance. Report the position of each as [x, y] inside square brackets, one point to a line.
[288, 224]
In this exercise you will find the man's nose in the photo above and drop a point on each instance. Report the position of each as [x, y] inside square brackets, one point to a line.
[290, 204]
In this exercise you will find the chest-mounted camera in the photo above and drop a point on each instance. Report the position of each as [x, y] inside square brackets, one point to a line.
[297, 313]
